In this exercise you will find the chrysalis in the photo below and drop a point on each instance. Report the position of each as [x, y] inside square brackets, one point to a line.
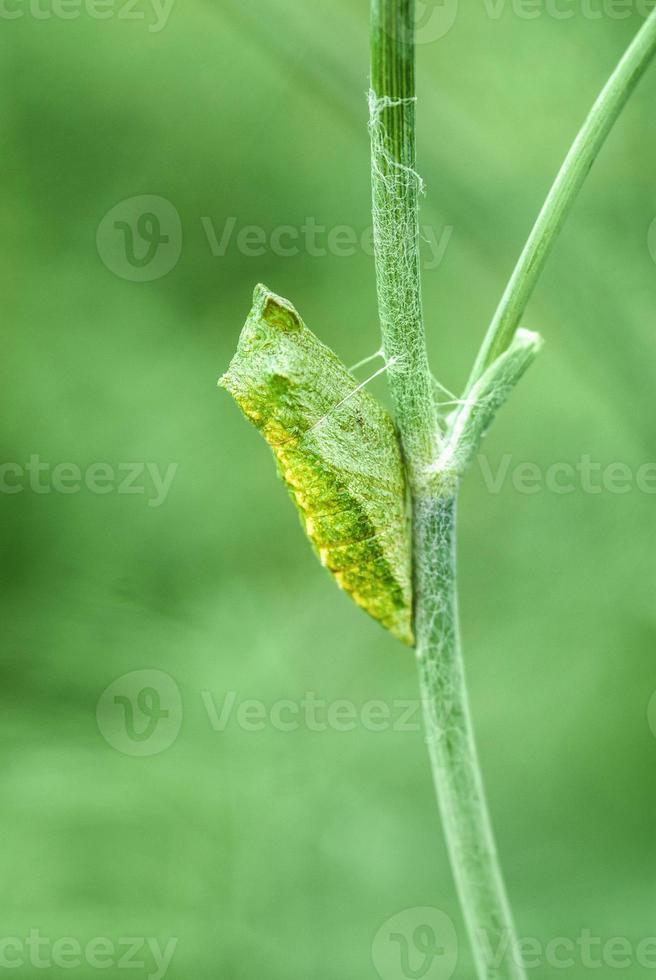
[337, 452]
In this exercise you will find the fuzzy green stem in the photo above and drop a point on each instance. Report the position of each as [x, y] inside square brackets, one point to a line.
[435, 461]
[449, 735]
[395, 189]
[452, 749]
[480, 406]
[563, 194]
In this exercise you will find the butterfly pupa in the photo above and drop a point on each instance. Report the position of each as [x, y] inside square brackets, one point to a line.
[337, 452]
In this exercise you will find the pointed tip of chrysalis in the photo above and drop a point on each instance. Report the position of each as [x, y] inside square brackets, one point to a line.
[275, 310]
[260, 294]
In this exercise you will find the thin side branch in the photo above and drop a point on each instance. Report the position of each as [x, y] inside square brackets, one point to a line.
[479, 408]
[563, 194]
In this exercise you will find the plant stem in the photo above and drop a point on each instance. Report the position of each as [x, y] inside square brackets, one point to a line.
[435, 460]
[567, 185]
[454, 759]
[395, 189]
[448, 729]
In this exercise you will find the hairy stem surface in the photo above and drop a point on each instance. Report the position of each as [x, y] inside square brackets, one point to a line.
[451, 745]
[448, 728]
[395, 190]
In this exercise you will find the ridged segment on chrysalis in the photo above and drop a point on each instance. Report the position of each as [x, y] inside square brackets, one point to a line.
[337, 452]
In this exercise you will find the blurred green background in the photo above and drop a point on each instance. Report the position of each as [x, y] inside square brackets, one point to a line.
[280, 853]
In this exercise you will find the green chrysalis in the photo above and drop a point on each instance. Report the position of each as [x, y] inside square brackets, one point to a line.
[337, 452]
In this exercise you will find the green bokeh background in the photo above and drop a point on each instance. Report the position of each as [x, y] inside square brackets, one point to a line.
[273, 853]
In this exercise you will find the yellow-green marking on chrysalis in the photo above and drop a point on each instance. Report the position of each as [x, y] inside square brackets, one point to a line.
[337, 452]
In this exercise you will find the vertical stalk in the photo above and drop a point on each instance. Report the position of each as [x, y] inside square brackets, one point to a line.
[395, 190]
[451, 745]
[455, 766]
